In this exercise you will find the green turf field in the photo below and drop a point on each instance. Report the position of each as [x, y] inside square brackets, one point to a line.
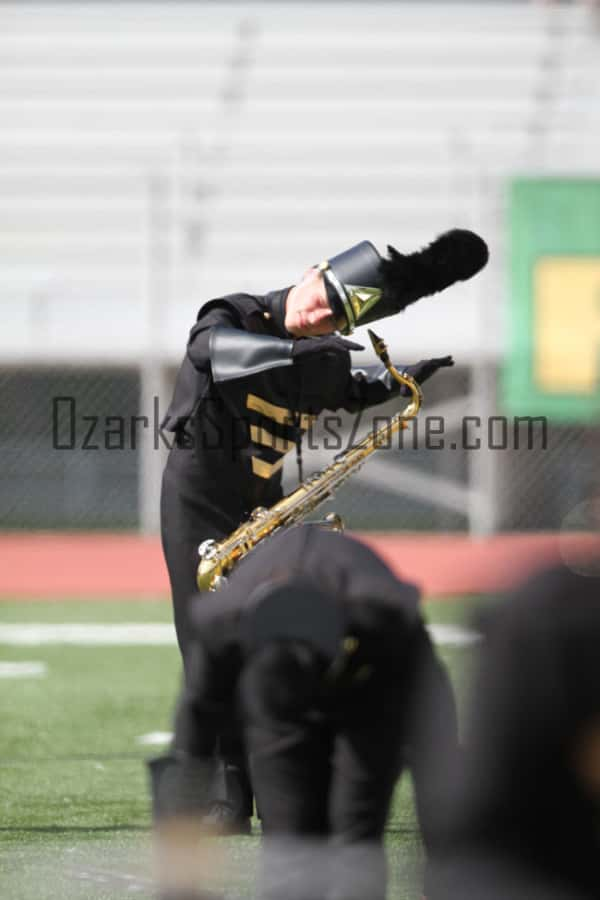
[75, 808]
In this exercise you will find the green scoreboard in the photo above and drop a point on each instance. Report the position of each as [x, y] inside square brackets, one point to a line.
[553, 363]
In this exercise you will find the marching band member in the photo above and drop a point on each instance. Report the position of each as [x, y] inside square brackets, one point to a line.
[525, 821]
[257, 371]
[320, 656]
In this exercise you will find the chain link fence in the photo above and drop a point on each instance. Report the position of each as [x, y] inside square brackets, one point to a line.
[539, 488]
[70, 448]
[63, 466]
[379, 497]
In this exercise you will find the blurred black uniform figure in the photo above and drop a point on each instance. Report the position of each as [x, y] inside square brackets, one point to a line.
[526, 817]
[220, 468]
[321, 656]
[243, 397]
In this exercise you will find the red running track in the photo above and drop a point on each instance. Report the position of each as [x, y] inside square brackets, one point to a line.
[111, 566]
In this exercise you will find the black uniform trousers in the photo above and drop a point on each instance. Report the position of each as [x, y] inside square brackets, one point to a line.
[184, 525]
[324, 781]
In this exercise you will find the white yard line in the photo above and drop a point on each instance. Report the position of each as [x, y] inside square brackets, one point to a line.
[128, 882]
[453, 635]
[23, 670]
[124, 635]
[134, 634]
[154, 738]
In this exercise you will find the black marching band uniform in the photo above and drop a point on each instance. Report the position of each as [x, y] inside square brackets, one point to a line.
[524, 823]
[245, 393]
[320, 656]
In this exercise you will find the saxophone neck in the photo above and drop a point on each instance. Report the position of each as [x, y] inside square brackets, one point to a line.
[380, 348]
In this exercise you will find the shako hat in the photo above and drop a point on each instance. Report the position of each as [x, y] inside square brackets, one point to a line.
[362, 286]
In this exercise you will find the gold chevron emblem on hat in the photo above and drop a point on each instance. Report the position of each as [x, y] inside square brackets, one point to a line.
[362, 299]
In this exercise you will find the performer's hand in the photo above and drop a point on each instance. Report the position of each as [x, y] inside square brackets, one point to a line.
[305, 347]
[425, 368]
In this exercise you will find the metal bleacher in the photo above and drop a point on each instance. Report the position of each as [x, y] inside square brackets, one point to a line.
[154, 155]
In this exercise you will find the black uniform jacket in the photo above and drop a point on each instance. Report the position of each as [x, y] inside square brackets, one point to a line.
[232, 436]
[381, 612]
[523, 811]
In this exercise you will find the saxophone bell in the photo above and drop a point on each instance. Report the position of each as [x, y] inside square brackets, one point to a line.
[209, 569]
[207, 550]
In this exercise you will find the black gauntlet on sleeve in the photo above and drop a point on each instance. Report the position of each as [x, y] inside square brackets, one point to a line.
[237, 354]
[212, 316]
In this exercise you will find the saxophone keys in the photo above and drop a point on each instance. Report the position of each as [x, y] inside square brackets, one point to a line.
[259, 512]
[334, 521]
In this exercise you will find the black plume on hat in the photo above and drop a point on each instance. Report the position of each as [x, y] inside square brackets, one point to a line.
[456, 255]
[363, 287]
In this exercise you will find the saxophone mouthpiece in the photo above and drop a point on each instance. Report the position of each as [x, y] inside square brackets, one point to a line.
[379, 347]
[374, 339]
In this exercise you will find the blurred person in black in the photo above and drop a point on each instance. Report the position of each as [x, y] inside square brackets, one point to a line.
[525, 820]
[257, 370]
[320, 656]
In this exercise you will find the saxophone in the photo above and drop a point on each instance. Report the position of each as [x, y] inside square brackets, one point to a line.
[217, 559]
